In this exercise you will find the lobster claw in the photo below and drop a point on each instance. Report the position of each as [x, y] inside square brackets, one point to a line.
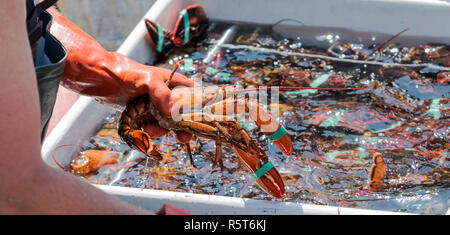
[139, 140]
[219, 61]
[160, 38]
[443, 77]
[191, 25]
[263, 120]
[284, 144]
[377, 173]
[142, 141]
[271, 127]
[270, 181]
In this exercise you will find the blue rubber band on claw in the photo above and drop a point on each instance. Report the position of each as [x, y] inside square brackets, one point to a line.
[278, 134]
[120, 158]
[263, 170]
[187, 27]
[160, 39]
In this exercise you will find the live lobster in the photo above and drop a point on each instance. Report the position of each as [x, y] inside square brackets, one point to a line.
[213, 122]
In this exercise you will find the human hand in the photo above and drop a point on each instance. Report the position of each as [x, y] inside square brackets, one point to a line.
[112, 78]
[164, 100]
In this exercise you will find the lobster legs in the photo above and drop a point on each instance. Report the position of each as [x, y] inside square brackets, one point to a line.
[250, 153]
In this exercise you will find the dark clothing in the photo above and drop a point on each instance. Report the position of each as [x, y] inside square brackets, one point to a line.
[48, 73]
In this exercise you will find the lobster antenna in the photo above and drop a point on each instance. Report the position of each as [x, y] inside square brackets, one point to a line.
[305, 88]
[62, 146]
[173, 71]
[385, 42]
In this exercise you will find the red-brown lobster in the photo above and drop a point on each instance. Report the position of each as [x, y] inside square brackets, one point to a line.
[213, 121]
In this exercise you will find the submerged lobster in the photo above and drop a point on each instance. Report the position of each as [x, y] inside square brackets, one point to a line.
[190, 26]
[213, 122]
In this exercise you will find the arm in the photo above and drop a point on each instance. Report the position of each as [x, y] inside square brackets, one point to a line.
[27, 184]
[111, 77]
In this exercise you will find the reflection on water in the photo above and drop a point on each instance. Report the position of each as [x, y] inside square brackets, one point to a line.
[403, 114]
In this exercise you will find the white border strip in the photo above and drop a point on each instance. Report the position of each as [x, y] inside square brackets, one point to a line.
[220, 205]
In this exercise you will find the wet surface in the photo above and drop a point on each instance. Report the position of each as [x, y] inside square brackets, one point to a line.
[403, 113]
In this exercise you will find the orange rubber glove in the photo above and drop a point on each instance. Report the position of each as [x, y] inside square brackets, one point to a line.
[113, 78]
